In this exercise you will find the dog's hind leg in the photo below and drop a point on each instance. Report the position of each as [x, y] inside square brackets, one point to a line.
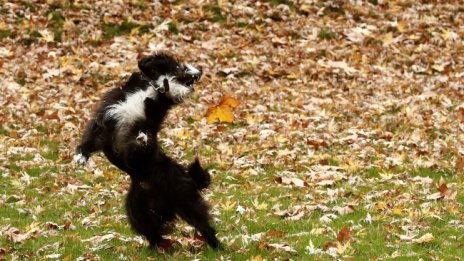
[196, 214]
[143, 220]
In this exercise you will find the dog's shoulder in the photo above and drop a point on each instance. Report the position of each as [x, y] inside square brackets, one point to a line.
[136, 82]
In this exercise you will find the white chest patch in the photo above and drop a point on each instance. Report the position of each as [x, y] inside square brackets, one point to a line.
[125, 113]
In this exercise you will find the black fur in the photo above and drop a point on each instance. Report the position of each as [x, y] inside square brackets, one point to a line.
[161, 189]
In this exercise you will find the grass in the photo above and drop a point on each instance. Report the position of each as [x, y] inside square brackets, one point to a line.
[216, 14]
[111, 30]
[44, 201]
[326, 34]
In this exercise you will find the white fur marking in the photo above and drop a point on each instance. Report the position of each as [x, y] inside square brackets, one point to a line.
[80, 159]
[191, 70]
[128, 111]
[142, 138]
[177, 91]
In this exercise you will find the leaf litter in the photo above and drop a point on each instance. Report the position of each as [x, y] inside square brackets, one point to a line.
[349, 111]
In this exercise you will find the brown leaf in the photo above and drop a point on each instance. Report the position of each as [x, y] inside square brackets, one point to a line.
[442, 187]
[329, 244]
[344, 234]
[316, 143]
[261, 245]
[461, 114]
[460, 163]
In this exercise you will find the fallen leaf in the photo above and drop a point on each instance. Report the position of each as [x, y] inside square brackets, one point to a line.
[401, 26]
[460, 163]
[281, 247]
[442, 187]
[344, 210]
[329, 244]
[344, 234]
[424, 239]
[461, 114]
[257, 258]
[291, 181]
[434, 196]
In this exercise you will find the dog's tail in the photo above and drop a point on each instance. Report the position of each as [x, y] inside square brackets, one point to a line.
[199, 175]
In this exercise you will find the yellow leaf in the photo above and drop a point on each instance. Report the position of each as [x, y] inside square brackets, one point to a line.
[257, 258]
[424, 239]
[398, 210]
[220, 114]
[228, 205]
[445, 34]
[401, 26]
[381, 205]
[3, 25]
[387, 39]
[223, 111]
[258, 205]
[135, 30]
[228, 100]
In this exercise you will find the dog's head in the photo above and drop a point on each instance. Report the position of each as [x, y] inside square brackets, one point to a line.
[169, 75]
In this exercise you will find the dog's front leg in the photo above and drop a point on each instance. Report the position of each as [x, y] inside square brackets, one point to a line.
[89, 143]
[156, 110]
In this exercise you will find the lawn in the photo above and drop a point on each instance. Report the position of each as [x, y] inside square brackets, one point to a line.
[345, 140]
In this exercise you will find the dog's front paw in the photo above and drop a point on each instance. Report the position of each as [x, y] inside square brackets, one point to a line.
[142, 139]
[80, 159]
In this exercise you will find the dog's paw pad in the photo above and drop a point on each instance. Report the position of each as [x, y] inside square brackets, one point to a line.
[142, 138]
[80, 159]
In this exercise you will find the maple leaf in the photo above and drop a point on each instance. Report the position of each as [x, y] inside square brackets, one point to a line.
[223, 111]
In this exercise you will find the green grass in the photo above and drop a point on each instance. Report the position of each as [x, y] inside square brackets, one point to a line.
[111, 30]
[45, 197]
[216, 14]
[368, 241]
[326, 34]
[7, 34]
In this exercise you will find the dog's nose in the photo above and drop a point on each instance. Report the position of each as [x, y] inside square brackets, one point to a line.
[198, 75]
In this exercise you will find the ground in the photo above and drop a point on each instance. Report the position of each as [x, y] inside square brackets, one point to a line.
[345, 138]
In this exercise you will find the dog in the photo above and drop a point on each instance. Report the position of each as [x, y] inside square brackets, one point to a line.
[125, 128]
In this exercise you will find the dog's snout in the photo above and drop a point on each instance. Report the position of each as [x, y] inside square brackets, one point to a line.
[198, 75]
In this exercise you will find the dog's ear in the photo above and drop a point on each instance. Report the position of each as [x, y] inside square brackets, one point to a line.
[149, 65]
[157, 64]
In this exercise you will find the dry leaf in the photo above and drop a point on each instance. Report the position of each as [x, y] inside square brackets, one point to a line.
[424, 239]
[281, 247]
[223, 111]
[291, 181]
[329, 244]
[442, 187]
[344, 210]
[344, 234]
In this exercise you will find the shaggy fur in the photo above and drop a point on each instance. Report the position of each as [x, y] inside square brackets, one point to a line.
[125, 128]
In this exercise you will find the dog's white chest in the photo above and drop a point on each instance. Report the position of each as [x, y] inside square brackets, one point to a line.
[126, 112]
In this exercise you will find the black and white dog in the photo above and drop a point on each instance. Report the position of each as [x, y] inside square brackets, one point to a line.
[125, 128]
